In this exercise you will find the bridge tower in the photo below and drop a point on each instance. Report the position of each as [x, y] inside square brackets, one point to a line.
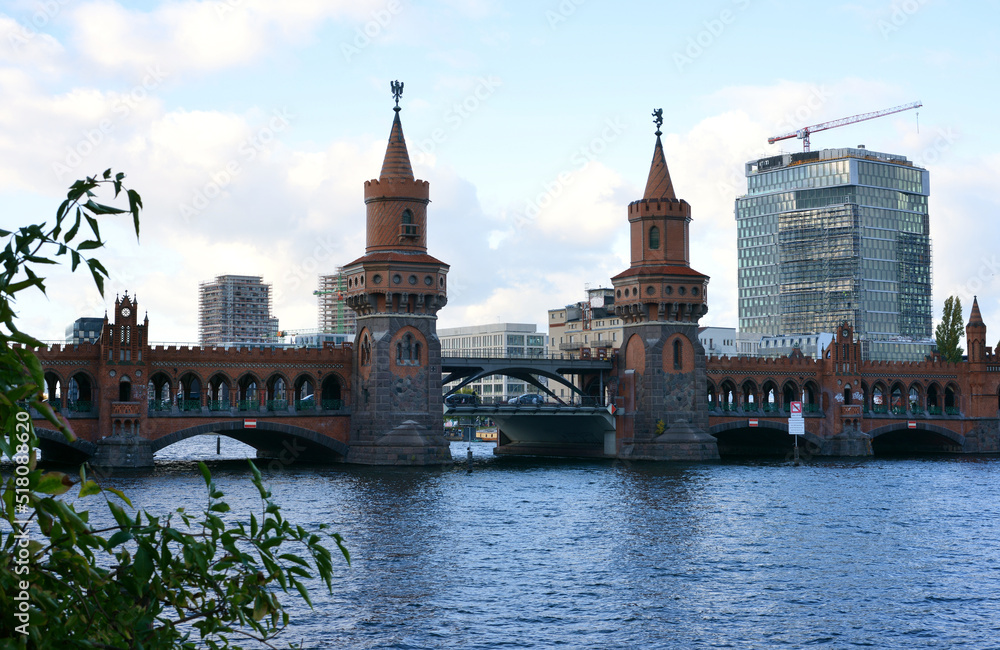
[396, 289]
[121, 380]
[660, 299]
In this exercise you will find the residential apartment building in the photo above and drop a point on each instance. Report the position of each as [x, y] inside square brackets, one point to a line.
[335, 317]
[236, 310]
[588, 328]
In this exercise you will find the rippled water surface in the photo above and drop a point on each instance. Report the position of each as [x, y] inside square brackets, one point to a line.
[532, 553]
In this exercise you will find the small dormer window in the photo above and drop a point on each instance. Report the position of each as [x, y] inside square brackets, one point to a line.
[654, 238]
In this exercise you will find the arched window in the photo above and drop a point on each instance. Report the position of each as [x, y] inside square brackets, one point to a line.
[677, 354]
[407, 216]
[654, 238]
[125, 390]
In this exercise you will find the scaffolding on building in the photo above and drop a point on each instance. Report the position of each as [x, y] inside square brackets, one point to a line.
[335, 317]
[235, 309]
[819, 272]
[913, 252]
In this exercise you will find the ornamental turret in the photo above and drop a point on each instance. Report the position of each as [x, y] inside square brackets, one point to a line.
[396, 289]
[660, 284]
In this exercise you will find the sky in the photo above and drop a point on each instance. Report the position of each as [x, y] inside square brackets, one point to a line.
[249, 128]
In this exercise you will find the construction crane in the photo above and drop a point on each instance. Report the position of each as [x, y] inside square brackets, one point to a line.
[803, 133]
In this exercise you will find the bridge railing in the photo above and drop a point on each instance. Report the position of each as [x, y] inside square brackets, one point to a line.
[550, 356]
[586, 400]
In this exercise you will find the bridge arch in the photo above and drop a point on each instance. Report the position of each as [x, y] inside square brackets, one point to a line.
[751, 400]
[952, 395]
[159, 387]
[277, 387]
[82, 388]
[727, 394]
[925, 437]
[247, 388]
[268, 437]
[766, 439]
[332, 390]
[54, 387]
[915, 397]
[189, 386]
[55, 448]
[220, 391]
[305, 385]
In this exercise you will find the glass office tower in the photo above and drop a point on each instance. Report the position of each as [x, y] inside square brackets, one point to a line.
[837, 235]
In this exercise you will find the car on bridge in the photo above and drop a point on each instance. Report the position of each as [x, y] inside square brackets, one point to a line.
[462, 399]
[531, 398]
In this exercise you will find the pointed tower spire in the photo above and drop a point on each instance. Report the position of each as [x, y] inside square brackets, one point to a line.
[975, 318]
[659, 185]
[397, 160]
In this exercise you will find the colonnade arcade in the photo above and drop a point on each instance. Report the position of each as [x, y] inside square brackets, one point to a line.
[880, 396]
[191, 392]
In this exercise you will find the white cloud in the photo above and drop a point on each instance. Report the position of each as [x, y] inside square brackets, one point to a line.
[200, 36]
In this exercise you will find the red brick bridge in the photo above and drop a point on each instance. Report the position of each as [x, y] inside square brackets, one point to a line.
[293, 404]
[857, 407]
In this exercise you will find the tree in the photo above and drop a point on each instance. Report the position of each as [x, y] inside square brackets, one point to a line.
[950, 330]
[145, 581]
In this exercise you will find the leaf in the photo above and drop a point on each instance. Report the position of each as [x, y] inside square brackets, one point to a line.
[143, 565]
[135, 204]
[205, 473]
[120, 495]
[54, 483]
[89, 245]
[120, 537]
[98, 208]
[220, 507]
[89, 488]
[304, 593]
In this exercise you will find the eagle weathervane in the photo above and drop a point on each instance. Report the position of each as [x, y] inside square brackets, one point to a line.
[397, 92]
[658, 119]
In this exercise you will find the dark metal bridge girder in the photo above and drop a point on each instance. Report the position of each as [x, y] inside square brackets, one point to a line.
[473, 369]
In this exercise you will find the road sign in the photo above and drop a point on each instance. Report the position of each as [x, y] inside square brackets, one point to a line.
[911, 424]
[612, 409]
[752, 422]
[796, 425]
[249, 424]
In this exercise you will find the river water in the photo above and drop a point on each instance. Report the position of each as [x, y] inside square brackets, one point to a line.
[543, 553]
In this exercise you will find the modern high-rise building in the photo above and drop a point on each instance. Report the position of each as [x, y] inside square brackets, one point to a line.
[335, 317]
[236, 309]
[837, 235]
[84, 330]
